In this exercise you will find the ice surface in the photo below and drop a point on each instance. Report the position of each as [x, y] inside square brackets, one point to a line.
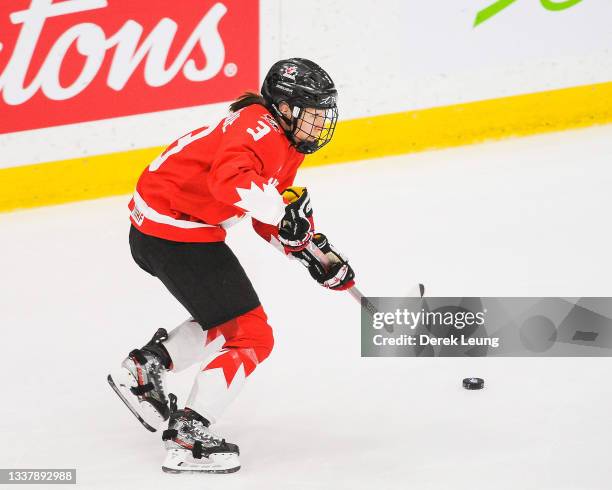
[514, 218]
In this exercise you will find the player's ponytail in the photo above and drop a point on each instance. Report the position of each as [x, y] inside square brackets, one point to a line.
[246, 99]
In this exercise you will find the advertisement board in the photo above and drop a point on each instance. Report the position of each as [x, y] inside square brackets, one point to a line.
[83, 60]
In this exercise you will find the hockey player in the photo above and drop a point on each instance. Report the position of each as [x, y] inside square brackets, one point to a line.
[183, 204]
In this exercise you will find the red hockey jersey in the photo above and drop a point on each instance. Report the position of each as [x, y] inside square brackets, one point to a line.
[212, 177]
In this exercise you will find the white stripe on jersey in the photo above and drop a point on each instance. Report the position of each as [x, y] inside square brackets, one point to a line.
[153, 215]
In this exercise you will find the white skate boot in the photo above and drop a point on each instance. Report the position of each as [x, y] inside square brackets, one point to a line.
[193, 448]
[140, 383]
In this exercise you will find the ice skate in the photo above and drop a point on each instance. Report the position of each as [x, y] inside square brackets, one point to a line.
[193, 448]
[140, 383]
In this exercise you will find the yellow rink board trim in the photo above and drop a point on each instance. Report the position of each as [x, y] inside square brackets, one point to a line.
[357, 139]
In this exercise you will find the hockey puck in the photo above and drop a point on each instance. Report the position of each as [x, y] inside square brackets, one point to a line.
[473, 383]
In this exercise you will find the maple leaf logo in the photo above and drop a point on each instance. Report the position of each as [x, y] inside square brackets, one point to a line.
[265, 205]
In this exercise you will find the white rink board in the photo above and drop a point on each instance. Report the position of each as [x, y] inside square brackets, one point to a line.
[481, 220]
[386, 57]
[400, 55]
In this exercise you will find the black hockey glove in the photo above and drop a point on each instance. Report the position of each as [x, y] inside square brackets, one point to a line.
[334, 271]
[297, 226]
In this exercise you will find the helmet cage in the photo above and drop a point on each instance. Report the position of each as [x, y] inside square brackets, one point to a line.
[313, 128]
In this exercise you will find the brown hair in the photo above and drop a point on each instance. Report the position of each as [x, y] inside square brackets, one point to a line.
[246, 99]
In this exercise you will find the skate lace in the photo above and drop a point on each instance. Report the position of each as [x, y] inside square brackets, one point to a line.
[204, 434]
[155, 374]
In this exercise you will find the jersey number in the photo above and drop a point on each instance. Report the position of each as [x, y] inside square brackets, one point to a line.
[180, 144]
[260, 131]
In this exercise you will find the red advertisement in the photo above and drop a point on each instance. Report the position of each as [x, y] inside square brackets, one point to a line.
[70, 61]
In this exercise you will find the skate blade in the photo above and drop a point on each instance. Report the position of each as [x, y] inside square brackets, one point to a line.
[180, 461]
[192, 471]
[145, 424]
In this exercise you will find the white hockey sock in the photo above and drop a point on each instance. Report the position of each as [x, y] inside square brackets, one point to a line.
[187, 345]
[218, 384]
[235, 349]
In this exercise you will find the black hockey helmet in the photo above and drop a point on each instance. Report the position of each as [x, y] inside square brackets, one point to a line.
[303, 85]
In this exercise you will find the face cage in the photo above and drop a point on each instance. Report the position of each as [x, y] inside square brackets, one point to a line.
[328, 126]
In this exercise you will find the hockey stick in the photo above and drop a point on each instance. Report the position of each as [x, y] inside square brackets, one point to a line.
[353, 291]
[369, 306]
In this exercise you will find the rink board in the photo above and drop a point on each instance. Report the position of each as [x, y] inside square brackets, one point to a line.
[363, 138]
